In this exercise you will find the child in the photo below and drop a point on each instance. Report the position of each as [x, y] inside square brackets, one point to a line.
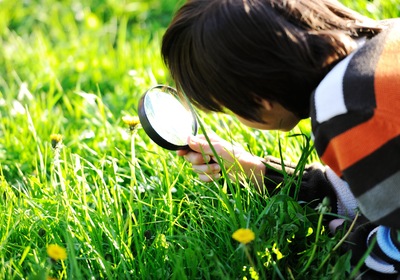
[272, 63]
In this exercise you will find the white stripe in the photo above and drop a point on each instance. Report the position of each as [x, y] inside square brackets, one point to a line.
[379, 265]
[329, 99]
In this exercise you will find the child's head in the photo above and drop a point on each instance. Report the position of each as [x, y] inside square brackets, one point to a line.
[231, 54]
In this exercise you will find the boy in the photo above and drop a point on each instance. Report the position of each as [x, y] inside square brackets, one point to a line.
[272, 63]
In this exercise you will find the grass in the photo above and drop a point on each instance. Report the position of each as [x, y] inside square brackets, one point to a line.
[75, 68]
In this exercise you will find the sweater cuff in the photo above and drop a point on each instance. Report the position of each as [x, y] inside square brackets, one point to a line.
[346, 202]
[385, 257]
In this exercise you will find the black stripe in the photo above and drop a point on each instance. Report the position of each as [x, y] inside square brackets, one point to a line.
[392, 220]
[358, 80]
[336, 126]
[373, 169]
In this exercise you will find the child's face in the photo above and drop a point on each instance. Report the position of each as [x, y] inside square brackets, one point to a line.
[275, 117]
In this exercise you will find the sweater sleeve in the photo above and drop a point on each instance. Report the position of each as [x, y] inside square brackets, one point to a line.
[356, 127]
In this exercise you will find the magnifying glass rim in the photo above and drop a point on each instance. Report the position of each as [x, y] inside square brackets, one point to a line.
[150, 131]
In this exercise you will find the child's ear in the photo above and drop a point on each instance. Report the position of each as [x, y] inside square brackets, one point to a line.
[266, 104]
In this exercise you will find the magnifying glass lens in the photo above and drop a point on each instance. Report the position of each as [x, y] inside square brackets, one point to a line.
[165, 119]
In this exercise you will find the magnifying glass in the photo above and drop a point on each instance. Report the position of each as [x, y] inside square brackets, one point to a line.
[165, 119]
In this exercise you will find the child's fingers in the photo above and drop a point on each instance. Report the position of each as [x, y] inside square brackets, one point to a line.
[207, 172]
[209, 177]
[212, 168]
[201, 145]
[182, 152]
[197, 158]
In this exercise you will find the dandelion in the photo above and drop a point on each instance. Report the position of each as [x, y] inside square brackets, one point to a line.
[244, 235]
[56, 252]
[132, 121]
[56, 140]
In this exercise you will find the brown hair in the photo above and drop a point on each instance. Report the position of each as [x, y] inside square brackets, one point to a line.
[230, 53]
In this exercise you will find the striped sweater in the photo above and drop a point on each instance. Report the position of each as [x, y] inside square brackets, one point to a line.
[355, 114]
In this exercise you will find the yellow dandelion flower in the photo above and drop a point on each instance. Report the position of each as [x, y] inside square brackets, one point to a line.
[244, 235]
[56, 140]
[56, 252]
[131, 121]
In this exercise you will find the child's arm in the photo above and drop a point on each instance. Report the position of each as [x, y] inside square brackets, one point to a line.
[266, 173]
[236, 159]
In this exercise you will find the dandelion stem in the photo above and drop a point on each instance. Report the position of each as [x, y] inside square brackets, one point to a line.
[56, 143]
[133, 123]
[57, 163]
[246, 251]
[133, 160]
[134, 186]
[347, 233]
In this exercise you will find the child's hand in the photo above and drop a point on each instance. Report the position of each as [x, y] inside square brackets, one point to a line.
[234, 158]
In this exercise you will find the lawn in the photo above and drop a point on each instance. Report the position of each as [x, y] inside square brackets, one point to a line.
[85, 197]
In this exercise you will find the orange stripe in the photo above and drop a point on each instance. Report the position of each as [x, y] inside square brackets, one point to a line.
[364, 139]
[387, 76]
[358, 142]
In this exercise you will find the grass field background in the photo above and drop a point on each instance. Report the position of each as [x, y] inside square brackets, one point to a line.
[121, 207]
